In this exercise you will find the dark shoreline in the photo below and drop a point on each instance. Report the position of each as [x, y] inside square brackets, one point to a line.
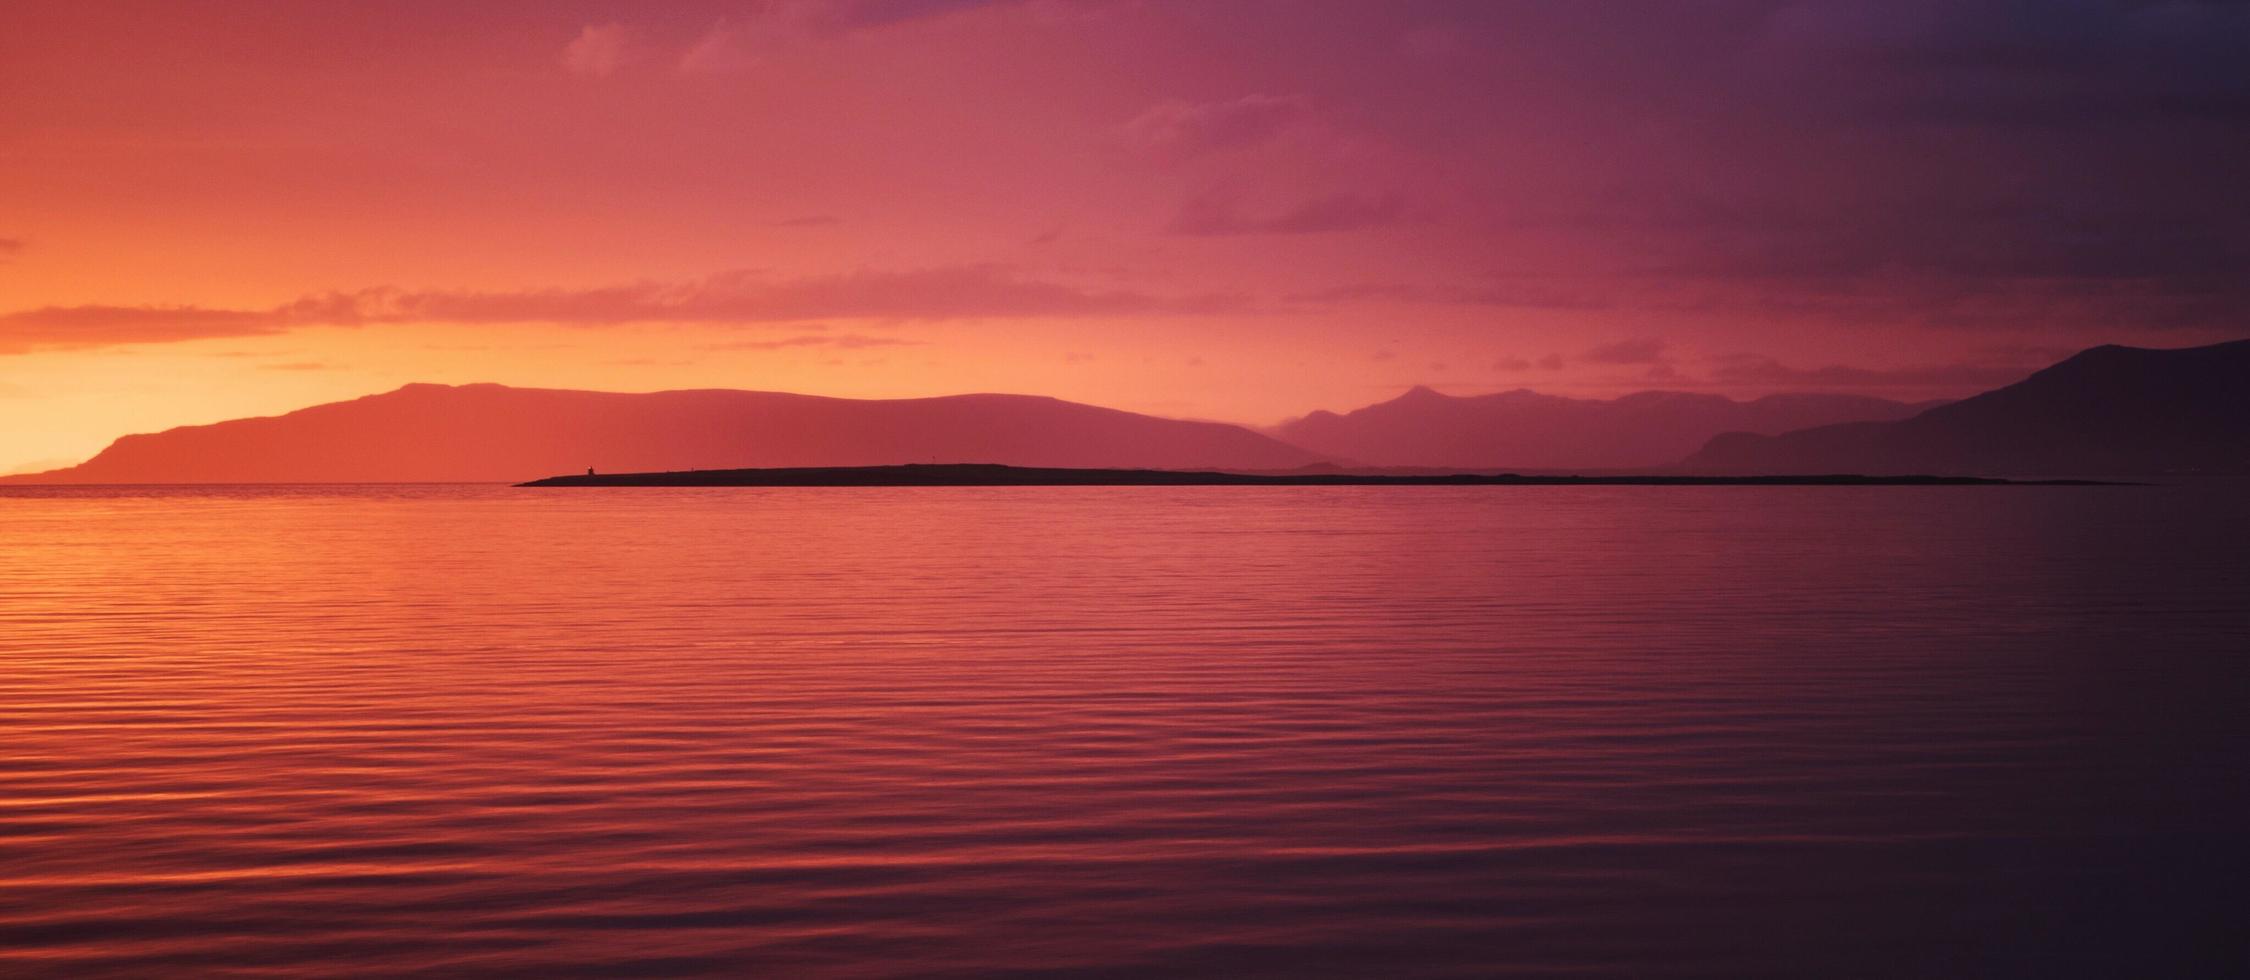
[993, 475]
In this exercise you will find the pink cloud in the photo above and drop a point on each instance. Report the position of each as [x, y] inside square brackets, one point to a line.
[1219, 214]
[1644, 350]
[739, 43]
[67, 327]
[1184, 129]
[730, 46]
[598, 50]
[846, 341]
[957, 292]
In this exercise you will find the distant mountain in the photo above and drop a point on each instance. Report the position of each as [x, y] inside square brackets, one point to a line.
[1527, 430]
[484, 432]
[2107, 411]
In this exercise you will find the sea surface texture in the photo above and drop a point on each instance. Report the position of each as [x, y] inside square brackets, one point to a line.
[1226, 731]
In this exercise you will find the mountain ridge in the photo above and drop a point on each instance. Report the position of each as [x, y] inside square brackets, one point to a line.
[1522, 428]
[2110, 410]
[484, 432]
[2107, 410]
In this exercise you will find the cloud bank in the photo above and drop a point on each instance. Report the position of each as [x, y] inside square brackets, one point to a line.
[952, 293]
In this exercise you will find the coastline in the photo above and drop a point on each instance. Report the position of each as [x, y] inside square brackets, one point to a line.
[995, 475]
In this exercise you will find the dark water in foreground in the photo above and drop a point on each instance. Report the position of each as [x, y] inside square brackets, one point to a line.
[1723, 731]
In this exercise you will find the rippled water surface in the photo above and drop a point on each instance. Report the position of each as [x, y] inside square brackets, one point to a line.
[1723, 731]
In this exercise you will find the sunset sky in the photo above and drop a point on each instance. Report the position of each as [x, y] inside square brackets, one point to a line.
[1218, 209]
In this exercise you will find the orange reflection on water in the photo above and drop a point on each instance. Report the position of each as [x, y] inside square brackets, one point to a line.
[1137, 729]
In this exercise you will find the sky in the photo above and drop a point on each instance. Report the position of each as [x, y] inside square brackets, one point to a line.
[1227, 209]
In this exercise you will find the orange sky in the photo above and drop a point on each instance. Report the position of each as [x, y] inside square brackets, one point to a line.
[1241, 211]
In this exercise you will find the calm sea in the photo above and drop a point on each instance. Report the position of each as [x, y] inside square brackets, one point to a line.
[1640, 731]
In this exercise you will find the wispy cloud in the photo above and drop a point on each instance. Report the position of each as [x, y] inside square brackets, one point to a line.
[1639, 350]
[957, 292]
[846, 341]
[1512, 363]
[1185, 129]
[853, 15]
[737, 43]
[1221, 214]
[729, 46]
[1515, 292]
[66, 327]
[599, 50]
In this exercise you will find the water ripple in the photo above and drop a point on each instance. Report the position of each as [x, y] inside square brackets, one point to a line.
[446, 731]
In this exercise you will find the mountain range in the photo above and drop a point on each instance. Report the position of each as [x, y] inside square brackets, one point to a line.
[2106, 411]
[1527, 430]
[486, 432]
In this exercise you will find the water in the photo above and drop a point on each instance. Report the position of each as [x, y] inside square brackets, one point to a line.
[1535, 731]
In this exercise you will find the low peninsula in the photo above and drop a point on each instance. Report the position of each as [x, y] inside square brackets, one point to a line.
[996, 475]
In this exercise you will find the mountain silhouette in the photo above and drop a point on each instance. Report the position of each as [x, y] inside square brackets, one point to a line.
[995, 475]
[486, 432]
[1528, 430]
[2108, 411]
